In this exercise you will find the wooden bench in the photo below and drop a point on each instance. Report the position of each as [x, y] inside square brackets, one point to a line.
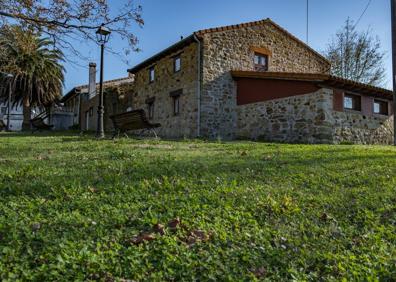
[132, 120]
[38, 123]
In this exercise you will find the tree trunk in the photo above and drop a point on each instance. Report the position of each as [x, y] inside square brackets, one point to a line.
[26, 114]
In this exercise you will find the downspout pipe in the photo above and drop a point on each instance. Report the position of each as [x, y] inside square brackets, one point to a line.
[199, 55]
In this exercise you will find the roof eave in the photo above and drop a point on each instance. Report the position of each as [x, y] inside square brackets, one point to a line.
[186, 41]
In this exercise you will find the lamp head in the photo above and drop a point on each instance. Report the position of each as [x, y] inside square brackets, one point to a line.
[103, 34]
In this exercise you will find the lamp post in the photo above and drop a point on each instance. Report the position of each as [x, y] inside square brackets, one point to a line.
[9, 76]
[102, 35]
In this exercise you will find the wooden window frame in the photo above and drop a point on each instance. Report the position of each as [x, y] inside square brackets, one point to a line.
[258, 66]
[151, 70]
[175, 95]
[356, 102]
[175, 59]
[176, 105]
[150, 107]
[384, 110]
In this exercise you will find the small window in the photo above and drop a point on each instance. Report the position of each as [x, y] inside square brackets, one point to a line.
[176, 64]
[175, 95]
[176, 105]
[352, 102]
[380, 107]
[90, 111]
[260, 62]
[151, 74]
[150, 109]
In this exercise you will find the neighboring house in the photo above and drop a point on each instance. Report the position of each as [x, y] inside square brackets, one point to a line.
[16, 116]
[83, 101]
[256, 80]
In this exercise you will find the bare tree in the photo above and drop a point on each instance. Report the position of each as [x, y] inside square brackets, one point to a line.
[65, 21]
[356, 55]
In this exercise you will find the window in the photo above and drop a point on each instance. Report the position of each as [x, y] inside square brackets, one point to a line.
[3, 110]
[175, 95]
[90, 111]
[260, 62]
[150, 110]
[151, 74]
[176, 64]
[150, 107]
[176, 105]
[380, 107]
[352, 102]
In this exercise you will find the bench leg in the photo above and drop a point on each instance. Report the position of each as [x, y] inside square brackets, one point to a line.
[116, 133]
[155, 133]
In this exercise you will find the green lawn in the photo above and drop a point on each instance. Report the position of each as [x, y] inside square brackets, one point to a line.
[73, 208]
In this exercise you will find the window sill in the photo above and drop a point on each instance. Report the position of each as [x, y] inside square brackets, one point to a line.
[381, 115]
[353, 111]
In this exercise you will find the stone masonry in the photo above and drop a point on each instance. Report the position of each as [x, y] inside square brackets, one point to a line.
[166, 81]
[310, 118]
[208, 99]
[232, 50]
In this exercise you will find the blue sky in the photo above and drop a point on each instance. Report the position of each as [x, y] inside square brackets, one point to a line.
[167, 20]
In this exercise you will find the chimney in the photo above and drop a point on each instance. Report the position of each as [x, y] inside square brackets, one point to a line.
[92, 80]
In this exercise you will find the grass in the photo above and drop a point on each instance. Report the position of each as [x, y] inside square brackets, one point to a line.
[73, 208]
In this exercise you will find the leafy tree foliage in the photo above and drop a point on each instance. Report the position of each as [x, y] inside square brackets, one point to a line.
[36, 68]
[64, 21]
[356, 55]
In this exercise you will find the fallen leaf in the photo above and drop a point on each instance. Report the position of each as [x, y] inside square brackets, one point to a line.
[159, 228]
[197, 236]
[259, 272]
[93, 189]
[141, 238]
[174, 223]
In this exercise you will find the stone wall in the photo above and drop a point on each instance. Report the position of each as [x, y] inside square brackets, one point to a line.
[297, 119]
[362, 129]
[224, 51]
[166, 81]
[310, 118]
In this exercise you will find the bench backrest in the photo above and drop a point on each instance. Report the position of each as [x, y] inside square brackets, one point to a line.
[39, 123]
[132, 120]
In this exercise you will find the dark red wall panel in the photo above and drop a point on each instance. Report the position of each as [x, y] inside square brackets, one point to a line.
[252, 90]
[338, 100]
[367, 105]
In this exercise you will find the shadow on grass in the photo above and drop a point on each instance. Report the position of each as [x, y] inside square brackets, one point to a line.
[39, 178]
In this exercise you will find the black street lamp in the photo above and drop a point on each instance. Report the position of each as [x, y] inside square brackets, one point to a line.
[9, 76]
[102, 35]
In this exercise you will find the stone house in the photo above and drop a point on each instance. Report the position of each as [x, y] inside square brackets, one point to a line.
[253, 80]
[256, 80]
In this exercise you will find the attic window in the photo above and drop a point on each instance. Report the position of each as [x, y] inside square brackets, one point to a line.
[380, 107]
[260, 62]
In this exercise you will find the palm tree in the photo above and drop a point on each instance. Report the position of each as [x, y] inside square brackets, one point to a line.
[35, 65]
